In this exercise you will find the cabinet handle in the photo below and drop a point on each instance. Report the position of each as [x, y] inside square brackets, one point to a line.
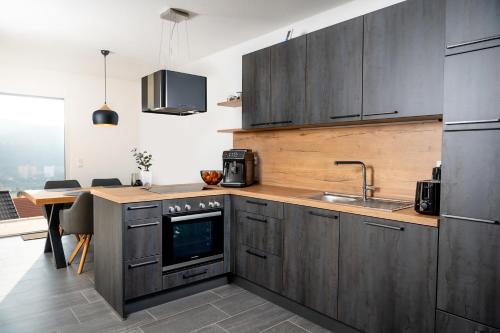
[257, 203]
[346, 116]
[256, 254]
[470, 219]
[132, 226]
[142, 207]
[280, 122]
[466, 122]
[379, 114]
[184, 276]
[385, 226]
[335, 217]
[475, 41]
[143, 264]
[259, 124]
[256, 219]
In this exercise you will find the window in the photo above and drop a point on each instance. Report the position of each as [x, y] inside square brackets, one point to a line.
[31, 141]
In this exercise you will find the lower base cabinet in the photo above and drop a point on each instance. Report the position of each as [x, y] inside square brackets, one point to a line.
[448, 323]
[387, 275]
[142, 276]
[260, 267]
[310, 259]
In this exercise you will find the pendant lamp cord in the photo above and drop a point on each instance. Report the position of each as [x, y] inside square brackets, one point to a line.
[105, 92]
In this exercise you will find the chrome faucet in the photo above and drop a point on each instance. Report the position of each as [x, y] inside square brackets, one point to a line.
[365, 188]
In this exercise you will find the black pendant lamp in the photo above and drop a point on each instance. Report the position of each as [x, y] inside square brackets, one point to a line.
[105, 116]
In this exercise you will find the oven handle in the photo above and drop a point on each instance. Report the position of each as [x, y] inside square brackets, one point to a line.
[181, 218]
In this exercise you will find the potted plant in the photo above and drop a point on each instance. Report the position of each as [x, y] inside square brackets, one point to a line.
[143, 161]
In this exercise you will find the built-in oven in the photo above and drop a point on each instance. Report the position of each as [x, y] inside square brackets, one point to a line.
[192, 233]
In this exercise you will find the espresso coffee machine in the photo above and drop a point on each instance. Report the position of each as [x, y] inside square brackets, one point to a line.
[238, 167]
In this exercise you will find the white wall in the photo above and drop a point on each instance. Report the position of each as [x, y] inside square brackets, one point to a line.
[104, 151]
[182, 146]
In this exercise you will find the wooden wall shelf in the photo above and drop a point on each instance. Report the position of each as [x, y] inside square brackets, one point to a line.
[232, 104]
[356, 123]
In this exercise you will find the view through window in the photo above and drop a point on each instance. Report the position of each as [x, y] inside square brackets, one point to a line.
[31, 141]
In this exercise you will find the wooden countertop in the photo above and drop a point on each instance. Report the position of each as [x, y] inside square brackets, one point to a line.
[266, 192]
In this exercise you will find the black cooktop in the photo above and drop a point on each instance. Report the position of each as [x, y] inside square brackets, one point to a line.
[178, 188]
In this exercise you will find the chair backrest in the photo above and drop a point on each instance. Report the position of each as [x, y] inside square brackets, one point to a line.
[55, 184]
[106, 182]
[79, 219]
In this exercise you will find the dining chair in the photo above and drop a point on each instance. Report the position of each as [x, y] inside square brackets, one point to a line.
[55, 184]
[79, 220]
[106, 182]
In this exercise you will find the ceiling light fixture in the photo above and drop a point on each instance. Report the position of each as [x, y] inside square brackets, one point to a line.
[105, 116]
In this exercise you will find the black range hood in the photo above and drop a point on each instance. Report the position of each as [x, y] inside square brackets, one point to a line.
[174, 93]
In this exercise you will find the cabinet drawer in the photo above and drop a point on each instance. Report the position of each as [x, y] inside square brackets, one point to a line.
[142, 238]
[448, 323]
[259, 206]
[260, 232]
[142, 210]
[192, 275]
[142, 276]
[259, 267]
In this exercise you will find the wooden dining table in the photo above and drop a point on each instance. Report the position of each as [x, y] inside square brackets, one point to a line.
[56, 199]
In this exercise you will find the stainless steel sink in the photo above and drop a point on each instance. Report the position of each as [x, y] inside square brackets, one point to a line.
[354, 200]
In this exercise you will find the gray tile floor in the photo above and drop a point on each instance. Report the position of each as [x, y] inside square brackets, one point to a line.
[35, 297]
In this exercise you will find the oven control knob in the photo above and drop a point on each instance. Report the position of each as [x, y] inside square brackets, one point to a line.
[211, 204]
[216, 204]
[202, 205]
[171, 209]
[177, 208]
[187, 207]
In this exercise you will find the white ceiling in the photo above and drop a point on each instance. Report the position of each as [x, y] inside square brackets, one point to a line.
[67, 35]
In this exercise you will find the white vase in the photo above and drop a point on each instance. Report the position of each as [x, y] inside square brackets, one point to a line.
[146, 178]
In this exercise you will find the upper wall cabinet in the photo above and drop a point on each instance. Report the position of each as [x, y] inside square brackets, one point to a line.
[403, 60]
[334, 73]
[471, 25]
[256, 88]
[288, 79]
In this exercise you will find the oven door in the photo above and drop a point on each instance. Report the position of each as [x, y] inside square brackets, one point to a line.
[190, 239]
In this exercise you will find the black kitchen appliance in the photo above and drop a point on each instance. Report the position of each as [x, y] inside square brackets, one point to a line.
[238, 167]
[193, 232]
[428, 193]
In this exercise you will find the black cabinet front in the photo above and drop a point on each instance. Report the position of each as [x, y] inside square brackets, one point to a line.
[387, 275]
[192, 238]
[403, 60]
[470, 185]
[472, 24]
[471, 95]
[469, 270]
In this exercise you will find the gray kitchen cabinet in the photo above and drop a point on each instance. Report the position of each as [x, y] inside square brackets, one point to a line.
[142, 277]
[256, 85]
[288, 82]
[471, 96]
[310, 259]
[387, 275]
[448, 323]
[334, 73]
[472, 24]
[260, 267]
[267, 208]
[469, 270]
[470, 184]
[142, 238]
[403, 60]
[260, 232]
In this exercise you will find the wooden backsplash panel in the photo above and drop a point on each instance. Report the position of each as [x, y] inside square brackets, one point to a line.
[397, 155]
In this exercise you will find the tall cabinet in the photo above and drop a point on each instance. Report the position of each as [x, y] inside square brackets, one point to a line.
[469, 241]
